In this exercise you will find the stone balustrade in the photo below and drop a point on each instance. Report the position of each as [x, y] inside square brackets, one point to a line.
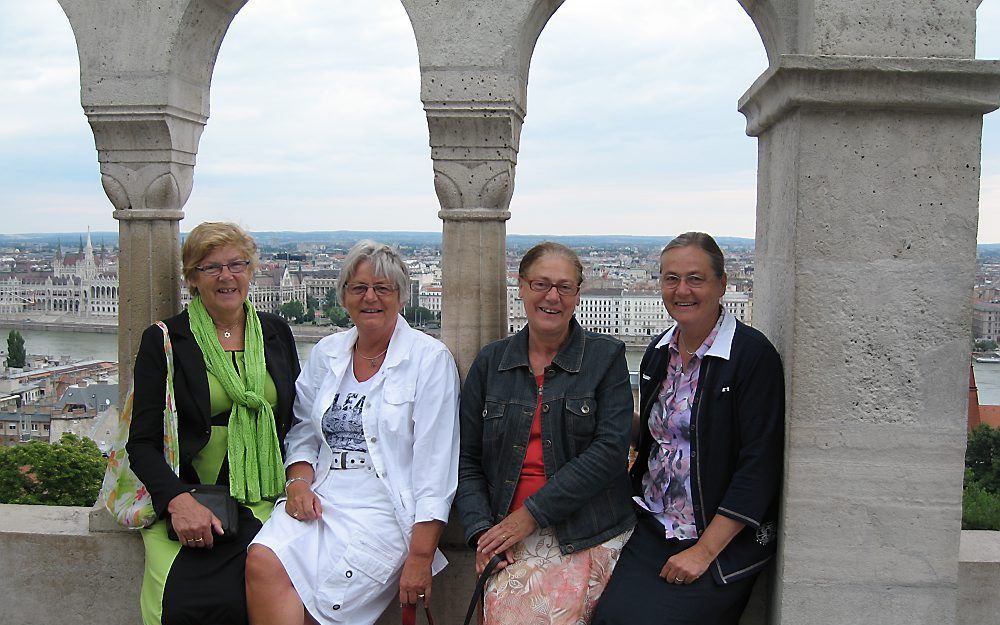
[74, 566]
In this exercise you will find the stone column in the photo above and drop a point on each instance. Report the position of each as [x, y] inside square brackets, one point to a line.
[474, 154]
[474, 58]
[145, 72]
[868, 192]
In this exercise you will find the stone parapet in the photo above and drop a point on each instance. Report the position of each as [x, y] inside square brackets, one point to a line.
[72, 566]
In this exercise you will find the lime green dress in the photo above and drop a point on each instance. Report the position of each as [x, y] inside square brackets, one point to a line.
[195, 586]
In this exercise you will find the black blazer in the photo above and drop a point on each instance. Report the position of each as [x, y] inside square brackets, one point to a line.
[191, 394]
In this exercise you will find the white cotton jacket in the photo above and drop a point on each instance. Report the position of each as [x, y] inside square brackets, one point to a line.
[410, 422]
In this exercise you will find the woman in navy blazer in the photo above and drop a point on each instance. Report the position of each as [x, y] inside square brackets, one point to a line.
[709, 457]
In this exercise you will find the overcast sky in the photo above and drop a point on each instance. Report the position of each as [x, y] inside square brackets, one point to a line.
[317, 124]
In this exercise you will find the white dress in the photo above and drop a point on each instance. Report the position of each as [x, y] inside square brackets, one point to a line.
[345, 565]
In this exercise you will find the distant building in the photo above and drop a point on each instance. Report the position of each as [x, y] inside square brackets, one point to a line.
[986, 320]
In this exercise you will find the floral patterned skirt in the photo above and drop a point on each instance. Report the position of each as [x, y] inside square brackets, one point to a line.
[545, 587]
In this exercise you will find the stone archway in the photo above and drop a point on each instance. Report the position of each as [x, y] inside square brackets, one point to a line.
[869, 123]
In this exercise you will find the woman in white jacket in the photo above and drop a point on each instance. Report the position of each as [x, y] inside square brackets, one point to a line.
[371, 463]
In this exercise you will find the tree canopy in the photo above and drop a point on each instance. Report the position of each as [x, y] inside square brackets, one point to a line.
[66, 473]
[16, 355]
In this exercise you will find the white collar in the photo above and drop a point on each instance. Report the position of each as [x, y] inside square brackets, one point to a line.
[723, 344]
[399, 344]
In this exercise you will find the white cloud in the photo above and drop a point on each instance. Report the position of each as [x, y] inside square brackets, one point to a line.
[317, 124]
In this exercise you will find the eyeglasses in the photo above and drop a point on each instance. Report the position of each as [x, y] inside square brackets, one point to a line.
[215, 269]
[360, 288]
[671, 281]
[564, 289]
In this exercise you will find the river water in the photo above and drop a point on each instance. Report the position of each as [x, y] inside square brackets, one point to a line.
[86, 346]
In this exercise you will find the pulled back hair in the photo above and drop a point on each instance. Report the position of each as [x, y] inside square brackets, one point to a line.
[550, 247]
[704, 242]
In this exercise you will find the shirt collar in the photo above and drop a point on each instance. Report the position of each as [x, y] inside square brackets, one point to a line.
[569, 358]
[399, 344]
[722, 347]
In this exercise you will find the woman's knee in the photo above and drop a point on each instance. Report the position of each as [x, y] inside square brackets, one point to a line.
[264, 567]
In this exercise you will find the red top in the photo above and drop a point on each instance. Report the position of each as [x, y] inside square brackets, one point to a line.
[533, 470]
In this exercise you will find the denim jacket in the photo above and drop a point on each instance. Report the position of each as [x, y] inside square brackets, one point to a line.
[586, 423]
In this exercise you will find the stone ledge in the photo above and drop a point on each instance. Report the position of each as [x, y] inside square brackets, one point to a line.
[71, 566]
[872, 83]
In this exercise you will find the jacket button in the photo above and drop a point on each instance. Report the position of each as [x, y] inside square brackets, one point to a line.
[336, 606]
[349, 574]
[485, 412]
[208, 430]
[570, 549]
[546, 443]
[585, 409]
[372, 440]
[545, 407]
[550, 372]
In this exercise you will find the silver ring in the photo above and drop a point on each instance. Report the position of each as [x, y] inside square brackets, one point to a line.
[295, 514]
[679, 579]
[420, 596]
[198, 540]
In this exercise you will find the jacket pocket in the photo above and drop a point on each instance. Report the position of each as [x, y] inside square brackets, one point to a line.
[366, 567]
[399, 393]
[493, 412]
[581, 416]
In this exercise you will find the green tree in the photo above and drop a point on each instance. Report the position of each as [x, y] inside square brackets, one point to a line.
[312, 302]
[980, 508]
[67, 473]
[293, 311]
[16, 356]
[985, 345]
[982, 457]
[337, 316]
[331, 299]
[418, 314]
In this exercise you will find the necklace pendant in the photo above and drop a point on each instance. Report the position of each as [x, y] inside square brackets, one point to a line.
[227, 334]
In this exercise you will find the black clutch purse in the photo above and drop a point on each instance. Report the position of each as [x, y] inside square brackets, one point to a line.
[221, 503]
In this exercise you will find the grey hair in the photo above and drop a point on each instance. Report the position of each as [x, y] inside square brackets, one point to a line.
[705, 243]
[386, 262]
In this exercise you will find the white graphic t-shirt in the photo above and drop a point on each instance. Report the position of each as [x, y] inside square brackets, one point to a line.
[342, 420]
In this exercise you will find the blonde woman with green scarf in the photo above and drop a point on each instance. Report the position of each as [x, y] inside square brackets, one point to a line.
[234, 371]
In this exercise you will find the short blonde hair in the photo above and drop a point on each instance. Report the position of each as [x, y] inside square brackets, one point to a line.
[209, 236]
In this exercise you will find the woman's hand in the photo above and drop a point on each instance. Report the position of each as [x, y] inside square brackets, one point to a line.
[415, 580]
[502, 537]
[302, 503]
[687, 566]
[193, 522]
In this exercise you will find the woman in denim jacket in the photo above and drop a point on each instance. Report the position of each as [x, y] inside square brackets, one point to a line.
[545, 422]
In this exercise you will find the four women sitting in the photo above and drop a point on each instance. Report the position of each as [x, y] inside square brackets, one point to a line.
[374, 455]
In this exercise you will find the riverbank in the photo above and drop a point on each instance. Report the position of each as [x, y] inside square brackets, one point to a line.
[302, 333]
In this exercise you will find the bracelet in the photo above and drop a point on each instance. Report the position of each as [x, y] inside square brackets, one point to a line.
[296, 479]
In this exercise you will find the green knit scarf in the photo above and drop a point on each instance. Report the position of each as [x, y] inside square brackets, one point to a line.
[255, 467]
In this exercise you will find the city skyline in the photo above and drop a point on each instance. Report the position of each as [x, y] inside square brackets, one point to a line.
[634, 111]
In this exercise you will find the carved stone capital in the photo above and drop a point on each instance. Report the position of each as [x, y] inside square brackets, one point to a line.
[474, 150]
[147, 156]
[873, 83]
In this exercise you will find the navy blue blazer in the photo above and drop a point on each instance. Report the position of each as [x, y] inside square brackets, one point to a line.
[191, 394]
[737, 444]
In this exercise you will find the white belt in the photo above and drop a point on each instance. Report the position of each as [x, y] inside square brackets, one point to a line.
[350, 460]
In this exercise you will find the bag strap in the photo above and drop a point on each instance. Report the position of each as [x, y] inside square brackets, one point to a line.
[410, 610]
[171, 444]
